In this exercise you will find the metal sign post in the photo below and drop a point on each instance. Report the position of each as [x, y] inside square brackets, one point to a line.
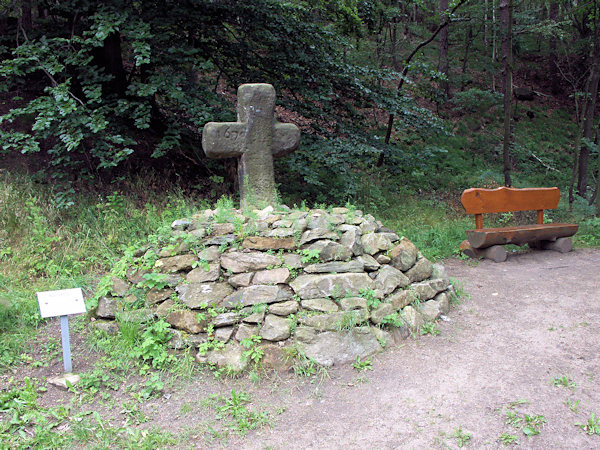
[62, 303]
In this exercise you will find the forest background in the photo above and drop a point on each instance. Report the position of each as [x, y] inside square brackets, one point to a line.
[402, 105]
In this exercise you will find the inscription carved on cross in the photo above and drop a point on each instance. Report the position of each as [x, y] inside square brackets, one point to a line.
[256, 138]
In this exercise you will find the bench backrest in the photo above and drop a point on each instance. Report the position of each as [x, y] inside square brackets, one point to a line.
[480, 201]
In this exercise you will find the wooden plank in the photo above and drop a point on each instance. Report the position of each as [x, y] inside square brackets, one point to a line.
[520, 235]
[479, 201]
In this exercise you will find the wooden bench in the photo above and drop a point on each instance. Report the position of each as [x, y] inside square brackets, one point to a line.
[487, 242]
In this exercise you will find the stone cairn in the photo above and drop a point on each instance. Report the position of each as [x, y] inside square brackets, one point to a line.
[332, 285]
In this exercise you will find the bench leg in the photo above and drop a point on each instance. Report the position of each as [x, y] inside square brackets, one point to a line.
[496, 253]
[562, 245]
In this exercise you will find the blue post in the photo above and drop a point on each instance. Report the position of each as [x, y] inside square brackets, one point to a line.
[66, 342]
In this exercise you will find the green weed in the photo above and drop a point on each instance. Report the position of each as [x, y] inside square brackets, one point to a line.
[508, 439]
[564, 381]
[592, 426]
[359, 365]
[573, 406]
[253, 353]
[429, 328]
[235, 408]
[462, 437]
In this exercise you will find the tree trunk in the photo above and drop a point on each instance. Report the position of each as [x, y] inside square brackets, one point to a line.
[443, 65]
[109, 57]
[552, 60]
[506, 8]
[493, 44]
[468, 40]
[486, 43]
[26, 15]
[588, 123]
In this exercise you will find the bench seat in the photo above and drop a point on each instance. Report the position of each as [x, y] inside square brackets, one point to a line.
[520, 235]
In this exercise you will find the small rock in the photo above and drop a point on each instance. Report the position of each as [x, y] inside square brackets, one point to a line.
[230, 357]
[65, 380]
[255, 294]
[404, 255]
[225, 319]
[241, 279]
[209, 254]
[119, 287]
[176, 263]
[354, 266]
[275, 357]
[107, 308]
[273, 276]
[351, 303]
[292, 260]
[176, 342]
[269, 243]
[224, 334]
[284, 308]
[243, 262]
[315, 235]
[258, 316]
[320, 304]
[220, 229]
[388, 279]
[204, 274]
[383, 310]
[331, 251]
[369, 262]
[401, 299]
[305, 334]
[420, 271]
[185, 320]
[198, 295]
[275, 328]
[246, 331]
[373, 243]
[155, 296]
[181, 224]
[383, 259]
[108, 326]
[412, 317]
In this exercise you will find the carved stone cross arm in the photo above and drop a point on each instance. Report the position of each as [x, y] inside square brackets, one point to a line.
[256, 138]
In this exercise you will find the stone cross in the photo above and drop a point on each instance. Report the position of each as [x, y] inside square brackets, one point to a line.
[256, 138]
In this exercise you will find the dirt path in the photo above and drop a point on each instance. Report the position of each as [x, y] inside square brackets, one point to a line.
[529, 320]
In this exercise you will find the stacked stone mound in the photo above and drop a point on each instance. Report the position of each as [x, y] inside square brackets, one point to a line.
[332, 285]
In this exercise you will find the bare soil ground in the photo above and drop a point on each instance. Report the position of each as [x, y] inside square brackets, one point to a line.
[523, 323]
[529, 320]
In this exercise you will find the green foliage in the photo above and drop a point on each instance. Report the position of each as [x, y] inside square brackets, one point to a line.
[395, 320]
[310, 256]
[530, 425]
[243, 419]
[253, 353]
[592, 426]
[152, 347]
[462, 437]
[362, 365]
[564, 381]
[369, 295]
[153, 280]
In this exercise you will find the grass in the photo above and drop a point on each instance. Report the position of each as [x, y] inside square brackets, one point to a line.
[564, 381]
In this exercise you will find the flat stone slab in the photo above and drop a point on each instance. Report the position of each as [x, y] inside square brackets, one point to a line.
[62, 380]
[243, 262]
[196, 295]
[330, 285]
[332, 348]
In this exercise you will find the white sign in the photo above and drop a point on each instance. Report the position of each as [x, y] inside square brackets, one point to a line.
[61, 303]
